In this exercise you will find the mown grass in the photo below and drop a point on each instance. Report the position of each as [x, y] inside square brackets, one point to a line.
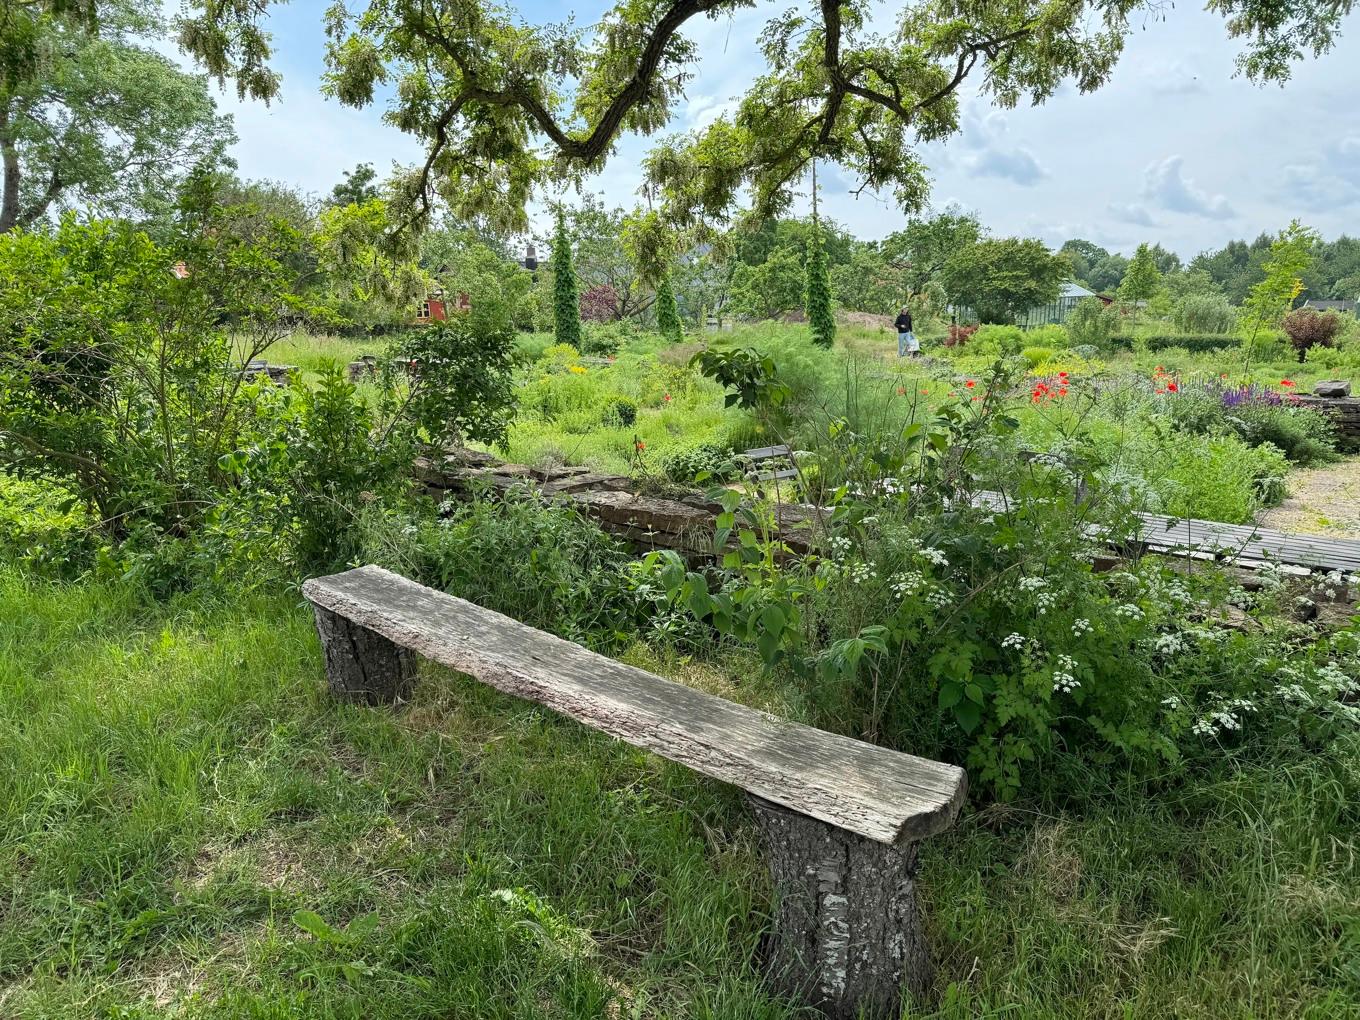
[175, 786]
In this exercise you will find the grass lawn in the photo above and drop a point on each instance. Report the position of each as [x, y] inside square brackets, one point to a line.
[189, 828]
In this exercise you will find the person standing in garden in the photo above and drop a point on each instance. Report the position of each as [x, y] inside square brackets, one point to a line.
[906, 339]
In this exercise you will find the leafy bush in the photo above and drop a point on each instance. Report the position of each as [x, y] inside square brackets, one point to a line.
[684, 465]
[117, 378]
[460, 388]
[1308, 328]
[1192, 343]
[1006, 340]
[1036, 356]
[1092, 323]
[536, 560]
[604, 339]
[618, 412]
[1205, 313]
[1304, 435]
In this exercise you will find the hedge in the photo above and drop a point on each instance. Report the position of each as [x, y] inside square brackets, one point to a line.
[1195, 343]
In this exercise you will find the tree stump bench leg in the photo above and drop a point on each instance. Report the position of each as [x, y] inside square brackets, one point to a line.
[848, 934]
[362, 665]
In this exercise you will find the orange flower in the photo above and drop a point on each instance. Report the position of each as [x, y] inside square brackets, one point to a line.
[640, 445]
[901, 391]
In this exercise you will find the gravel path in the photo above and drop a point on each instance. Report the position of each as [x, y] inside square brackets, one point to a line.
[1322, 501]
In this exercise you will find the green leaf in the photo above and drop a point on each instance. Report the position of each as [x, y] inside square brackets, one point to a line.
[950, 695]
[968, 715]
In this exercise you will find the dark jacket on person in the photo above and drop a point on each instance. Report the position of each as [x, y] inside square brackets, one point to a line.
[903, 323]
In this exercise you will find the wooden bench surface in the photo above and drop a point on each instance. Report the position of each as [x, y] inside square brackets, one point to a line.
[874, 792]
[766, 452]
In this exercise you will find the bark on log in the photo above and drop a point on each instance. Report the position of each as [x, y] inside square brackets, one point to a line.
[848, 934]
[362, 665]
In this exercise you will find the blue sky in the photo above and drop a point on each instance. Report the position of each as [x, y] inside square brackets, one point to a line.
[1174, 149]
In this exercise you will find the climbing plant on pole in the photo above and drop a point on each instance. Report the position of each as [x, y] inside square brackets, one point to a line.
[667, 312]
[566, 295]
[817, 290]
[818, 295]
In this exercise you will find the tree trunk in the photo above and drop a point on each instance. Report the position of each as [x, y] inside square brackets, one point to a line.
[362, 665]
[848, 934]
[9, 174]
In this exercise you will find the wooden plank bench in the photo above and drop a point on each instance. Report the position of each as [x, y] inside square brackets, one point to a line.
[770, 458]
[839, 818]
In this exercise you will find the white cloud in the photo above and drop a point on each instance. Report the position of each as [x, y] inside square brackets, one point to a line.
[1165, 186]
[1173, 78]
[989, 155]
[1131, 212]
[1330, 182]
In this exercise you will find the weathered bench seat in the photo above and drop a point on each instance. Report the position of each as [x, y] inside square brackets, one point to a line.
[839, 817]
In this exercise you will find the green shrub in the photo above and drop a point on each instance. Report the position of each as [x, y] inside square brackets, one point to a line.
[1205, 314]
[605, 339]
[684, 465]
[1193, 343]
[1304, 435]
[1003, 340]
[1222, 479]
[536, 560]
[1049, 335]
[618, 412]
[1036, 356]
[1092, 323]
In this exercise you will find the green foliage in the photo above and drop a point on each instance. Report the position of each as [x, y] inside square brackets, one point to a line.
[1167, 341]
[1282, 280]
[921, 251]
[750, 377]
[710, 462]
[817, 294]
[459, 384]
[667, 314]
[536, 560]
[619, 413]
[117, 378]
[769, 289]
[566, 299]
[1092, 323]
[1000, 279]
[1142, 280]
[1204, 313]
[105, 122]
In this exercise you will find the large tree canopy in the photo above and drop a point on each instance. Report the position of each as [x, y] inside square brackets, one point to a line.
[504, 107]
[107, 123]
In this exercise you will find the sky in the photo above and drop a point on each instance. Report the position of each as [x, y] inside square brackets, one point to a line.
[1174, 149]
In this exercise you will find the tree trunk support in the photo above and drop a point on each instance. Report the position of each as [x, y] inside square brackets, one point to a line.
[848, 934]
[362, 665]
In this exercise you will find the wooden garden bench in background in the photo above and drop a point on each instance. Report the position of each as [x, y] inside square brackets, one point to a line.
[839, 818]
[770, 463]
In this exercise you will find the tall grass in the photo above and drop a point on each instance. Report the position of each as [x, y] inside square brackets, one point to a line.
[175, 787]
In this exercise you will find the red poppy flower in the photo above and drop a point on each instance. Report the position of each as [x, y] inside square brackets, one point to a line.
[901, 391]
[925, 393]
[1171, 387]
[1286, 382]
[1062, 391]
[640, 445]
[970, 383]
[1160, 392]
[667, 398]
